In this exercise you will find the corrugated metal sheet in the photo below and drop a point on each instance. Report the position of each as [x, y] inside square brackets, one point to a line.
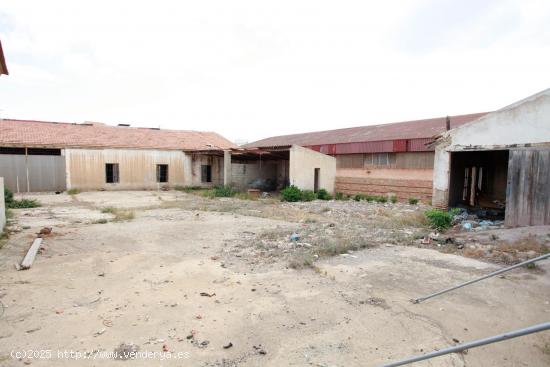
[419, 145]
[400, 145]
[365, 147]
[46, 173]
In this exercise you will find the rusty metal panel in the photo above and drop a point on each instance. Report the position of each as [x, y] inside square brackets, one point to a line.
[419, 145]
[400, 145]
[528, 188]
[365, 147]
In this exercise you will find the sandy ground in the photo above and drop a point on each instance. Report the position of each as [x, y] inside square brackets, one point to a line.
[139, 282]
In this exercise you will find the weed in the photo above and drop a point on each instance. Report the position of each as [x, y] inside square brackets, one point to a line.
[413, 201]
[439, 219]
[225, 191]
[23, 203]
[73, 191]
[340, 196]
[187, 188]
[301, 261]
[393, 199]
[359, 197]
[381, 199]
[8, 196]
[308, 195]
[124, 215]
[246, 196]
[100, 221]
[209, 193]
[108, 210]
[323, 194]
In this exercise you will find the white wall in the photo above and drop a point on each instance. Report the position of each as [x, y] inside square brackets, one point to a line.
[2, 206]
[303, 162]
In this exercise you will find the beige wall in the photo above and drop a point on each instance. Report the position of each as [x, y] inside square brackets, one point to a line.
[391, 173]
[2, 206]
[137, 168]
[303, 161]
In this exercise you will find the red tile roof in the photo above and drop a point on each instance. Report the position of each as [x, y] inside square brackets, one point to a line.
[97, 135]
[398, 130]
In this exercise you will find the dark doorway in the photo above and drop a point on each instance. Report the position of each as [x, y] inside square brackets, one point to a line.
[206, 173]
[162, 173]
[111, 173]
[479, 181]
[316, 179]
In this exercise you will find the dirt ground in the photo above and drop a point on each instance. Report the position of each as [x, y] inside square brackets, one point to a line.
[183, 277]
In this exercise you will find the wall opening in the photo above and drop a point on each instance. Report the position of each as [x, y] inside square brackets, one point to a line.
[316, 179]
[162, 173]
[111, 173]
[206, 173]
[478, 182]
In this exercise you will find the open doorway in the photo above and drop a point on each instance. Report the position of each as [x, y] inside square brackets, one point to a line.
[479, 181]
[316, 184]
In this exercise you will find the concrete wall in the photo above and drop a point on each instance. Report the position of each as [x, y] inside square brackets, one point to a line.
[2, 206]
[137, 168]
[45, 172]
[302, 163]
[526, 122]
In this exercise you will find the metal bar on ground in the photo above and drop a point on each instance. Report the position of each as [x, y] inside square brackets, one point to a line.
[421, 299]
[477, 343]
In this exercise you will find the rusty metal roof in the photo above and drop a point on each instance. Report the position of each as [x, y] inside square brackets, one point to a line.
[416, 129]
[97, 135]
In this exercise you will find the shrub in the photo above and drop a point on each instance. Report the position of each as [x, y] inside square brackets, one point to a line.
[381, 199]
[413, 201]
[8, 196]
[187, 188]
[393, 199]
[340, 196]
[291, 194]
[73, 191]
[359, 197]
[323, 194]
[308, 195]
[23, 203]
[224, 191]
[439, 219]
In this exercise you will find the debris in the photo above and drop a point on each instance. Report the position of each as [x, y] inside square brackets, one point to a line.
[204, 294]
[204, 344]
[107, 323]
[228, 346]
[164, 348]
[467, 226]
[33, 330]
[59, 312]
[31, 254]
[295, 237]
[214, 258]
[259, 349]
[100, 332]
[198, 317]
[45, 231]
[426, 240]
[101, 274]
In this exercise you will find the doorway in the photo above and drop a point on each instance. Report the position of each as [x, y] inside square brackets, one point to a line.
[317, 173]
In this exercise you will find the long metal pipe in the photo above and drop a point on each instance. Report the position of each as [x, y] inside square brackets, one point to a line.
[421, 299]
[474, 344]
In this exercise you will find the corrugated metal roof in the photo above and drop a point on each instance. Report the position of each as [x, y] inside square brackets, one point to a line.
[417, 129]
[97, 135]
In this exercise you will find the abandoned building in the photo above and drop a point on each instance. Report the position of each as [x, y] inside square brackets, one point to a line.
[379, 159]
[499, 165]
[52, 156]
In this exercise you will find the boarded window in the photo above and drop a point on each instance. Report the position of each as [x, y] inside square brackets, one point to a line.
[162, 173]
[206, 173]
[111, 173]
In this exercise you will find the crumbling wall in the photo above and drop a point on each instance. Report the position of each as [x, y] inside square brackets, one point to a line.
[302, 166]
[243, 174]
[197, 160]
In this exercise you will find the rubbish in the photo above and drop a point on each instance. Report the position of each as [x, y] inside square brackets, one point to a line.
[426, 240]
[259, 349]
[31, 254]
[101, 274]
[467, 226]
[204, 344]
[198, 317]
[214, 258]
[100, 332]
[204, 294]
[228, 346]
[295, 237]
[164, 348]
[107, 323]
[32, 330]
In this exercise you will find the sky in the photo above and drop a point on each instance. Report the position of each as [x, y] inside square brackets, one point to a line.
[254, 69]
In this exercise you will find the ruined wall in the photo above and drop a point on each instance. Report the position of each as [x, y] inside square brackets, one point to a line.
[197, 160]
[137, 168]
[303, 161]
[2, 206]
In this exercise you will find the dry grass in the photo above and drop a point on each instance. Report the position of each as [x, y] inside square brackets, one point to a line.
[120, 215]
[301, 261]
[524, 245]
[474, 253]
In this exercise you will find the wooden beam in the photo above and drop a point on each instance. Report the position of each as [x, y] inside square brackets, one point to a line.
[31, 254]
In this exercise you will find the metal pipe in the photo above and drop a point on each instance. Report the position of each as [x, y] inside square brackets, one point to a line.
[421, 299]
[474, 344]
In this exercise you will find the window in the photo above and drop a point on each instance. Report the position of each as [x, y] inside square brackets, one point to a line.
[111, 173]
[162, 173]
[206, 173]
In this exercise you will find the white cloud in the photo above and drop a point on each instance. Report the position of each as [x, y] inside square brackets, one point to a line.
[250, 69]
